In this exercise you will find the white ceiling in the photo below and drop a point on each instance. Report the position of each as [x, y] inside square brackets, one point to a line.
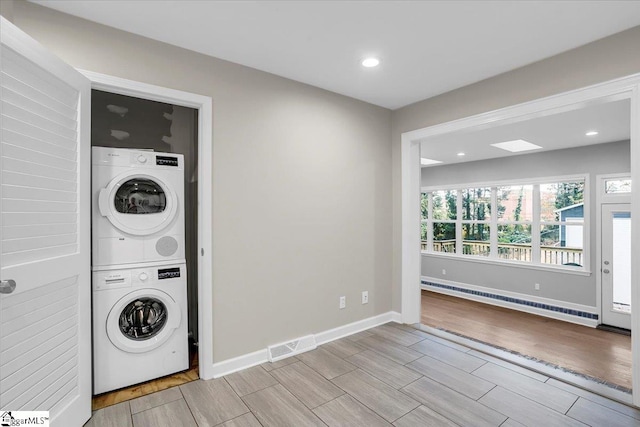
[554, 132]
[426, 47]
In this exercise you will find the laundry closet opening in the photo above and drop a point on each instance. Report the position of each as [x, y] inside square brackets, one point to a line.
[125, 122]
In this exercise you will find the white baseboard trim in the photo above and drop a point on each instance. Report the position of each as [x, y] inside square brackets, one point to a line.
[566, 317]
[239, 363]
[355, 327]
[248, 360]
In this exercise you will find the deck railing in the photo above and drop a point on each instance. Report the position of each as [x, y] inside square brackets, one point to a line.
[512, 251]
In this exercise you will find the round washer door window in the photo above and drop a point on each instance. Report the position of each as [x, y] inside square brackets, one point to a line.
[142, 320]
[138, 204]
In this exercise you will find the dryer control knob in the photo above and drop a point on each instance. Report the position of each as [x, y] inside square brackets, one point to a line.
[142, 159]
[143, 276]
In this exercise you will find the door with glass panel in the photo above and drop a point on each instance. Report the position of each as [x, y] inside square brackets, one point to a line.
[616, 265]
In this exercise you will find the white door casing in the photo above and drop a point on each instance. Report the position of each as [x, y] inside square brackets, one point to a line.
[45, 324]
[615, 268]
[204, 105]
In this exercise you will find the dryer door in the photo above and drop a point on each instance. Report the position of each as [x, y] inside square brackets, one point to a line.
[138, 204]
[143, 320]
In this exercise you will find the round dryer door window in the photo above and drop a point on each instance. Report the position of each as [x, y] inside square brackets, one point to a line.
[140, 196]
[142, 320]
[138, 204]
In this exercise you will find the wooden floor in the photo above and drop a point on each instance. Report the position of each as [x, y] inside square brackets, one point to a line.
[596, 353]
[388, 376]
[122, 395]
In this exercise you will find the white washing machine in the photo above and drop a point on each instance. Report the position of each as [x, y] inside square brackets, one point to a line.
[139, 325]
[138, 207]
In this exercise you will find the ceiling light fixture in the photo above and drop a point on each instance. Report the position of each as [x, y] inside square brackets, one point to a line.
[370, 62]
[460, 154]
[592, 133]
[516, 146]
[426, 162]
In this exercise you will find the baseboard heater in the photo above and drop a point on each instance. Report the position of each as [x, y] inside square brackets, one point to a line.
[512, 300]
[291, 348]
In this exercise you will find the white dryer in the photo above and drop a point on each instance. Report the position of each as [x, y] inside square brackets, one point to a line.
[138, 207]
[139, 325]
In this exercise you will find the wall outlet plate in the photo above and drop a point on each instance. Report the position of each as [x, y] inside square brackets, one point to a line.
[365, 297]
[343, 302]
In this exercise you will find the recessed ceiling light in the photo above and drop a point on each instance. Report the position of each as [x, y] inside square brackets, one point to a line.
[370, 62]
[516, 146]
[592, 133]
[426, 162]
[461, 154]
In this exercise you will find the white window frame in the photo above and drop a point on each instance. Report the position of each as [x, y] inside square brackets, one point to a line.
[536, 223]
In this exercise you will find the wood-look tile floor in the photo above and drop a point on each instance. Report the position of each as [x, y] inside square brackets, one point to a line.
[600, 354]
[389, 375]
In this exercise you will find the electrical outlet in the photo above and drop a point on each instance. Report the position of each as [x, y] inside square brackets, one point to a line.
[343, 302]
[537, 286]
[444, 272]
[365, 297]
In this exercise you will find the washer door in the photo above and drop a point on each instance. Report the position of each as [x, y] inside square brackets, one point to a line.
[143, 320]
[138, 204]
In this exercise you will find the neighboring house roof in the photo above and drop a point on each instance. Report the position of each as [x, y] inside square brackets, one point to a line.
[566, 208]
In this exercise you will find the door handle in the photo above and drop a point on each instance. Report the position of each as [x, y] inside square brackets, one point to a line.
[7, 286]
[606, 271]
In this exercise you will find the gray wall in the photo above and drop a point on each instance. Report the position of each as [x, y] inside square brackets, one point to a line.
[6, 9]
[301, 184]
[593, 159]
[605, 59]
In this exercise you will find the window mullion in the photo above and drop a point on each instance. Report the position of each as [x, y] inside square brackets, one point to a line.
[459, 222]
[493, 228]
[535, 225]
[430, 221]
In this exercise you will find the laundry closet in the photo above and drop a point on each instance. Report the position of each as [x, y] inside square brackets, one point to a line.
[144, 239]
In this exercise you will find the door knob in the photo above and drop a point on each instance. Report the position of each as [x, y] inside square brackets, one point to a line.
[7, 286]
[606, 271]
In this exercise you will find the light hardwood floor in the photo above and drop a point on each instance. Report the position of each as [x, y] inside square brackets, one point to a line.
[388, 375]
[128, 393]
[593, 352]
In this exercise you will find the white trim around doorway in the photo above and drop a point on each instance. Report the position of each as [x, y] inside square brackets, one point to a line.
[204, 105]
[622, 88]
[603, 198]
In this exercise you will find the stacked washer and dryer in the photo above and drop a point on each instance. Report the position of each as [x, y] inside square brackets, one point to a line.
[139, 268]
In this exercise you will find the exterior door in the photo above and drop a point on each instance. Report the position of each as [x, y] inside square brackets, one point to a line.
[45, 293]
[616, 265]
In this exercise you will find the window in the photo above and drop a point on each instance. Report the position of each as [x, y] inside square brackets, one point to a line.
[562, 223]
[476, 221]
[617, 186]
[541, 222]
[515, 219]
[444, 209]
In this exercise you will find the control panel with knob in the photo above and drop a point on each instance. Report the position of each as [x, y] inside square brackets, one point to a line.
[143, 276]
[142, 159]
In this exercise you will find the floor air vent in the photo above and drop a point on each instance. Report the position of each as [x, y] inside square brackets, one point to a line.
[291, 348]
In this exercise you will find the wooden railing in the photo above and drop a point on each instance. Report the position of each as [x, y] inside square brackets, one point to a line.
[512, 251]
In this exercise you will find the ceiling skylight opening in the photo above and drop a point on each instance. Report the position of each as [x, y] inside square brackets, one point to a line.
[460, 154]
[426, 162]
[516, 146]
[592, 133]
[370, 62]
